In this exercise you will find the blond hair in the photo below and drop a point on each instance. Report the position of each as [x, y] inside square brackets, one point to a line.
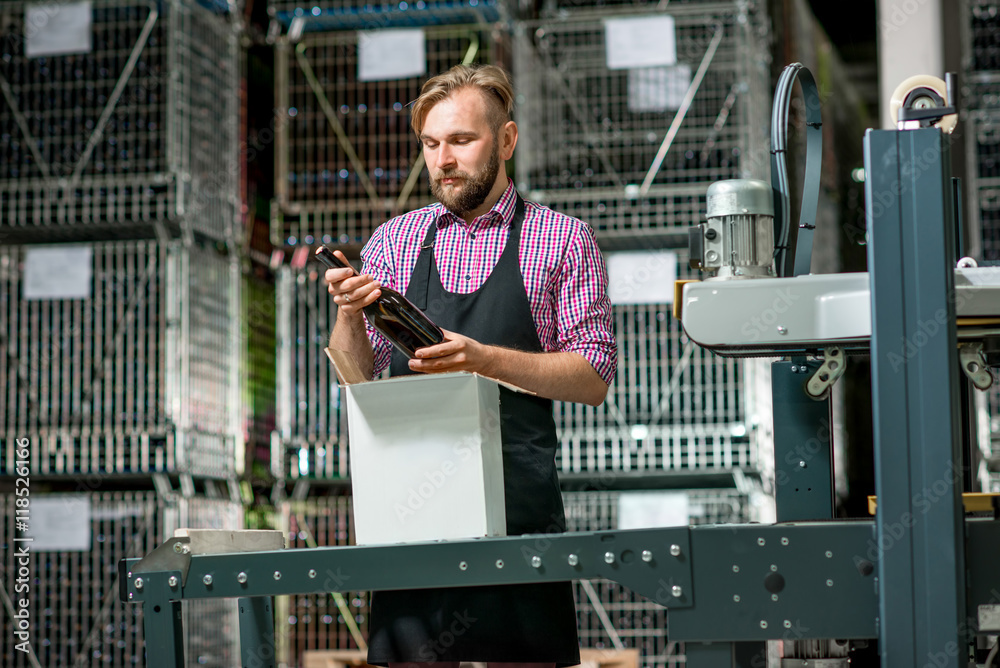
[491, 80]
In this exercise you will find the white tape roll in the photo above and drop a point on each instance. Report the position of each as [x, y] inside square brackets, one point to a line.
[946, 124]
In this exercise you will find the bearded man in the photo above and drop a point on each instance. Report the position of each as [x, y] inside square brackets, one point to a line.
[521, 294]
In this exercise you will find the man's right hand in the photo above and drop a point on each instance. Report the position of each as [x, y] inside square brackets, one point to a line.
[351, 292]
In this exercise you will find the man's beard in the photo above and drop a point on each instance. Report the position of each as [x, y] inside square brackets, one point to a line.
[475, 187]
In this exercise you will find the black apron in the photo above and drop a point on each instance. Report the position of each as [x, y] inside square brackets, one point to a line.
[508, 623]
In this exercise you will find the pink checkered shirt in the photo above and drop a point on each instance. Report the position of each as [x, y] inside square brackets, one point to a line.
[563, 269]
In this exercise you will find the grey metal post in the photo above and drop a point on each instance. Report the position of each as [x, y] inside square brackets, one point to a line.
[920, 532]
[162, 628]
[803, 460]
[256, 632]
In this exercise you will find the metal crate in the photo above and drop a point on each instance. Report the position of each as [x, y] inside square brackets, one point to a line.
[143, 128]
[315, 621]
[141, 375]
[985, 210]
[591, 136]
[672, 406]
[984, 25]
[984, 140]
[585, 126]
[654, 221]
[311, 437]
[638, 622]
[297, 16]
[76, 617]
[320, 189]
[603, 7]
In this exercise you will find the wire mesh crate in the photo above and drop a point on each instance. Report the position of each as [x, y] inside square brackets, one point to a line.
[347, 157]
[354, 14]
[592, 132]
[311, 438]
[637, 621]
[654, 221]
[986, 209]
[672, 405]
[984, 130]
[136, 372]
[984, 26]
[317, 621]
[143, 127]
[603, 7]
[76, 616]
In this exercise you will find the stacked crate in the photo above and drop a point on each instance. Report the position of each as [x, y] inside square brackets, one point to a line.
[981, 116]
[347, 157]
[137, 377]
[120, 304]
[77, 618]
[590, 137]
[139, 131]
[591, 133]
[346, 161]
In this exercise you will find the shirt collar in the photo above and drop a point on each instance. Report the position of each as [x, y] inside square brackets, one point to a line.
[502, 212]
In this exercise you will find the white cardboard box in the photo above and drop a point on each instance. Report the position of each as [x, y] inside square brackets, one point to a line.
[426, 458]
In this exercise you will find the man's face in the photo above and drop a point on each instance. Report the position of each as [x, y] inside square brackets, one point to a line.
[461, 151]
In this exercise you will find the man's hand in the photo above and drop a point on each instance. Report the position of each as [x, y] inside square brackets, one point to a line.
[351, 292]
[455, 353]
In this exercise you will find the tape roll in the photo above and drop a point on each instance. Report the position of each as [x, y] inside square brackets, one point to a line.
[912, 85]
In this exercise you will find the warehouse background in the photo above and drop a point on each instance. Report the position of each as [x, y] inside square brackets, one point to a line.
[161, 329]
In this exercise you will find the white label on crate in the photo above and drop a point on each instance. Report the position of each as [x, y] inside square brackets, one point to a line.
[658, 88]
[56, 29]
[58, 272]
[60, 523]
[391, 54]
[642, 277]
[647, 510]
[640, 41]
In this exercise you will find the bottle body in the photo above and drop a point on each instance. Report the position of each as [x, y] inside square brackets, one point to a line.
[392, 314]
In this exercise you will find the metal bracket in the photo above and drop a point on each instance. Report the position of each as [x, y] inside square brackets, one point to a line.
[974, 366]
[173, 555]
[820, 383]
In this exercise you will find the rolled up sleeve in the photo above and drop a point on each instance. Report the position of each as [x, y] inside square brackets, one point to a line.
[584, 319]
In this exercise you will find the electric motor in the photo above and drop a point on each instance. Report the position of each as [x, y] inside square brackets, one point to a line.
[737, 240]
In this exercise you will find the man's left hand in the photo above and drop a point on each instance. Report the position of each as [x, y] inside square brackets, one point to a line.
[455, 353]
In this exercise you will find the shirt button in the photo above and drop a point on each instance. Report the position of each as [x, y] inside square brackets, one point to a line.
[472, 235]
[468, 277]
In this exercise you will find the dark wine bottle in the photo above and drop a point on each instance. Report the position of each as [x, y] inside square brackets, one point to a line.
[392, 314]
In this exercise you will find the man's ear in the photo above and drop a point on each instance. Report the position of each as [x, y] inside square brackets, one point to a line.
[508, 140]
